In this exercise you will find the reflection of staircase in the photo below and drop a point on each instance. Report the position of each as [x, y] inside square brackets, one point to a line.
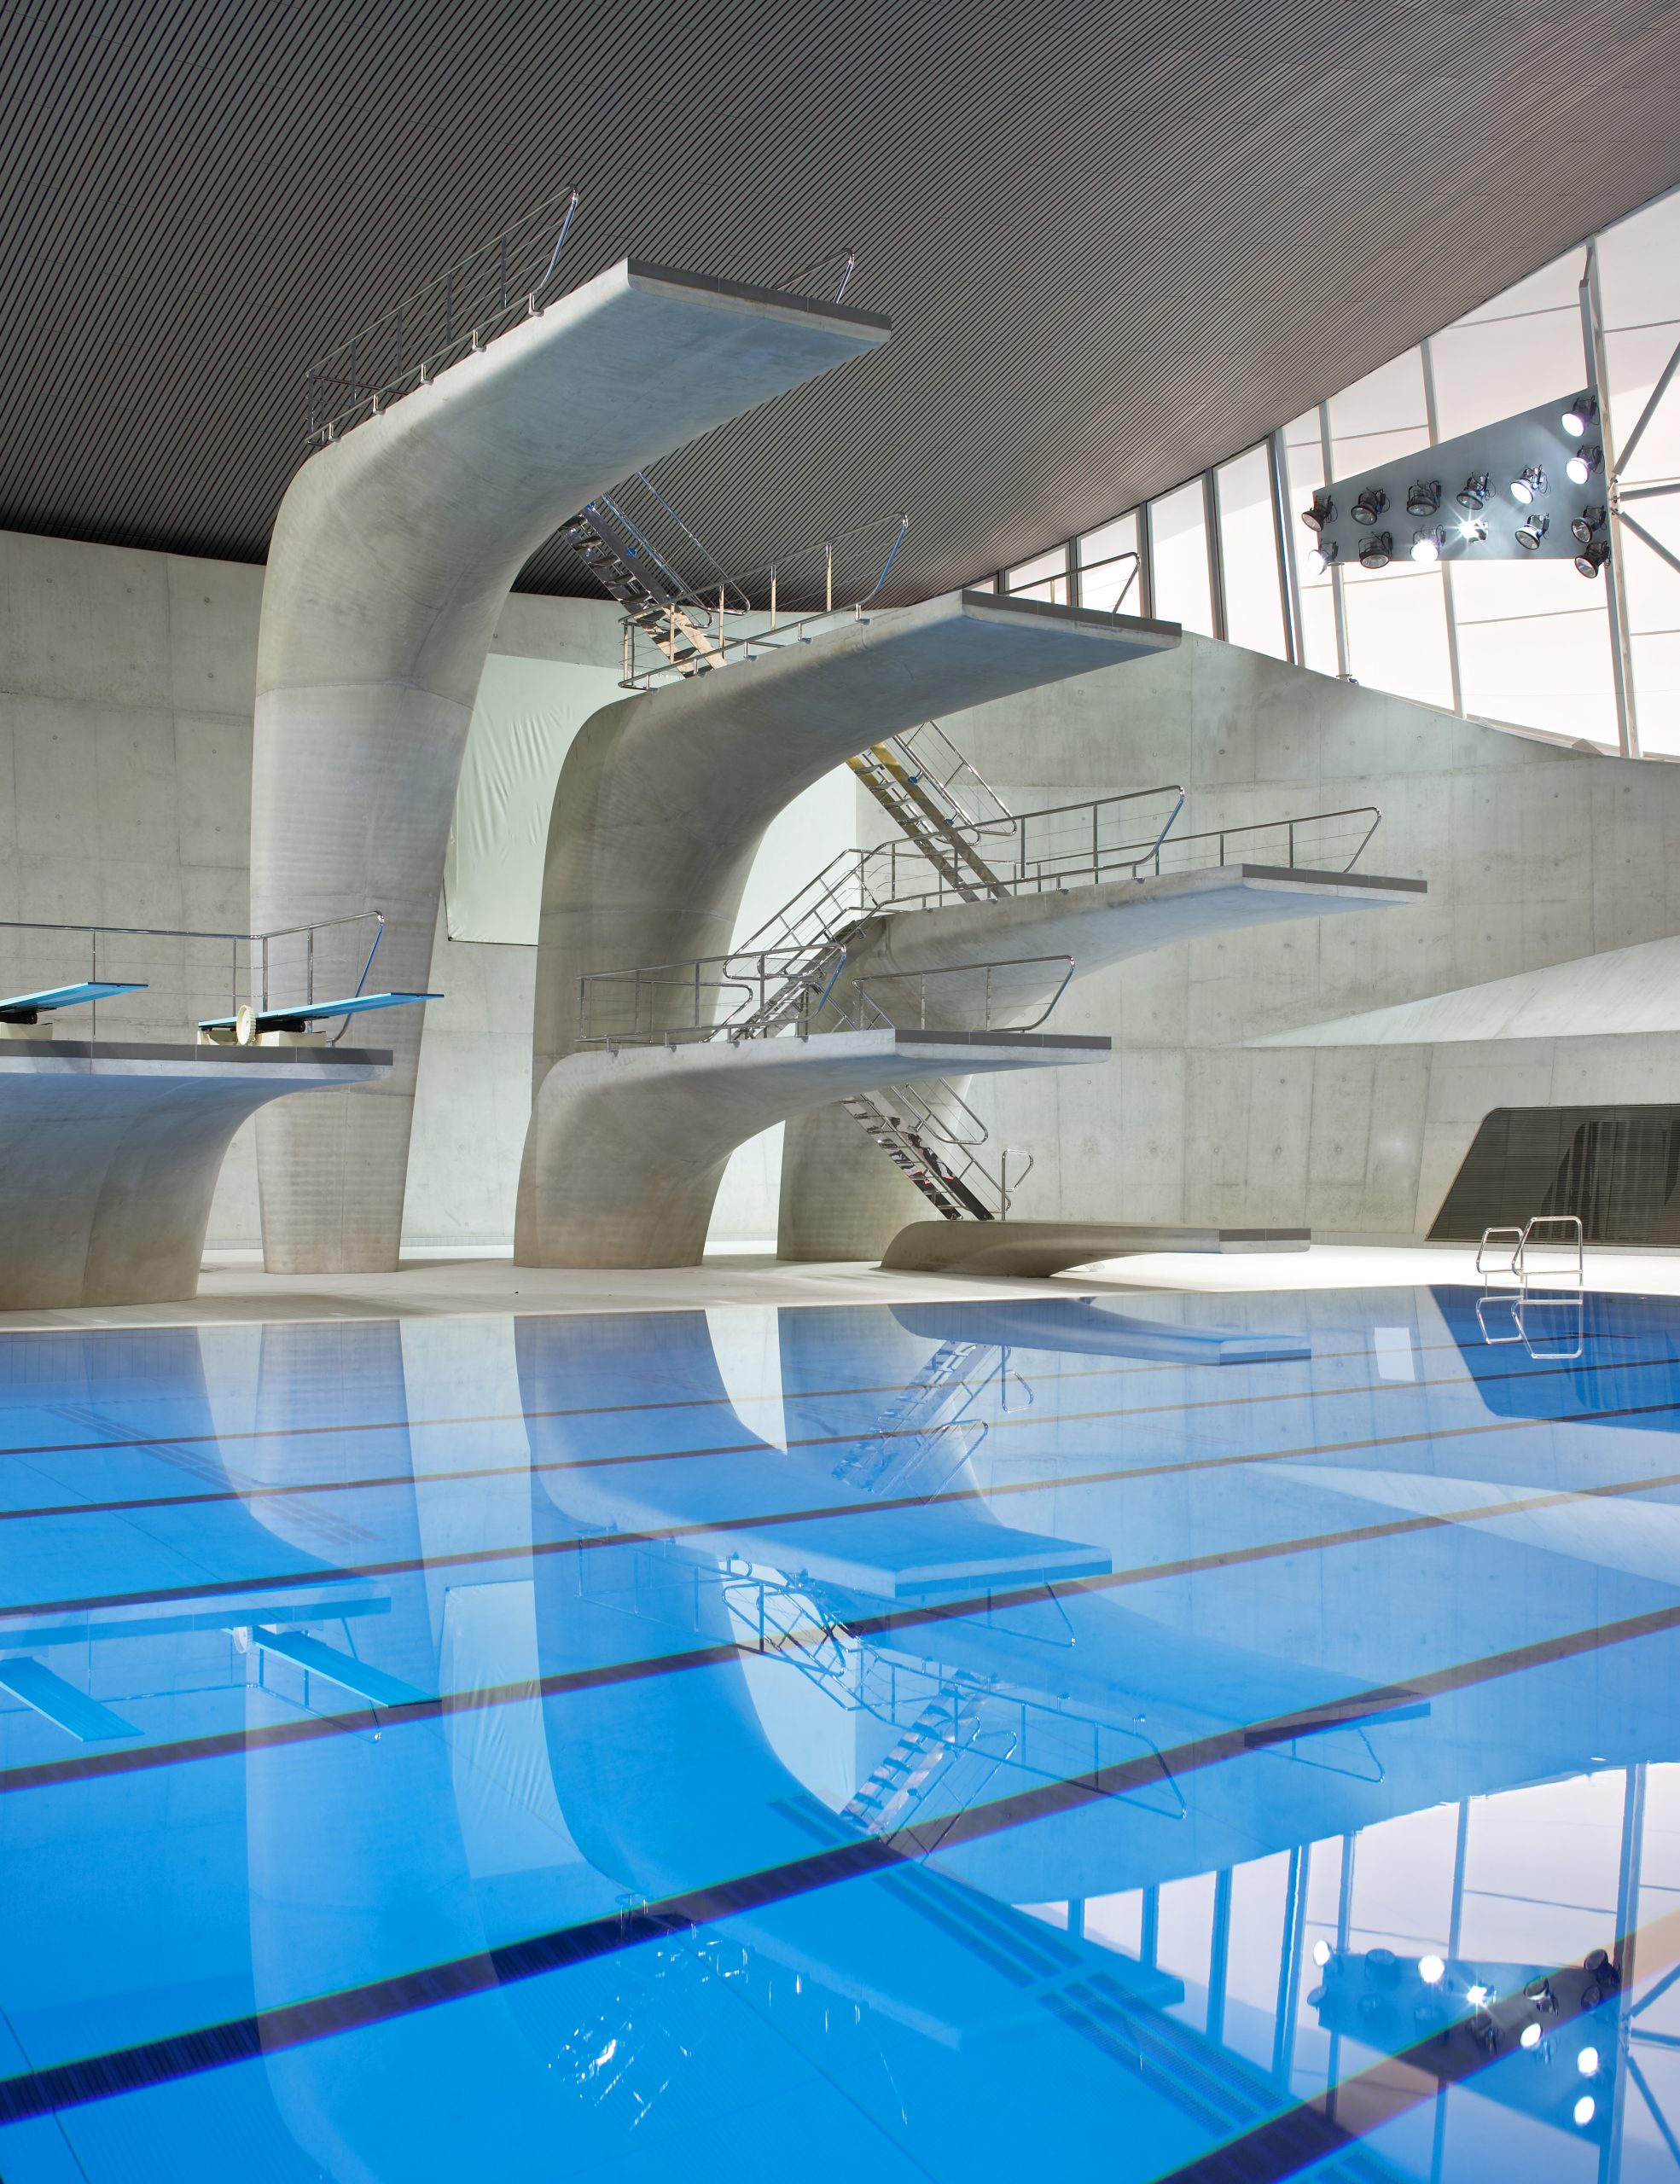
[923, 1434]
[924, 1752]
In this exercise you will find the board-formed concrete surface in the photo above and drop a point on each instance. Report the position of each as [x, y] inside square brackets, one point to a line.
[1047, 1247]
[109, 1153]
[631, 1144]
[663, 798]
[392, 554]
[839, 1199]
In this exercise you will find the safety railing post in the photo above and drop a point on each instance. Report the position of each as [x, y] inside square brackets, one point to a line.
[828, 581]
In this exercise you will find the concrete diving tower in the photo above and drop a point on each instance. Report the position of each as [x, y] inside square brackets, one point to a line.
[393, 551]
[839, 1199]
[662, 802]
[109, 1153]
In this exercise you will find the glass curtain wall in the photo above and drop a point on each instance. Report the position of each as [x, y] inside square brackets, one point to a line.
[1527, 643]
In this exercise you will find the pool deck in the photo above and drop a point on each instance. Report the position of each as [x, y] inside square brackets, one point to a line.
[234, 1290]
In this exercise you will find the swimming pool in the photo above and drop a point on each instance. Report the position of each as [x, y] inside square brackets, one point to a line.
[1221, 1738]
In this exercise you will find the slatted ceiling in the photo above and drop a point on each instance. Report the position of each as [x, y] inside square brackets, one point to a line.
[1117, 241]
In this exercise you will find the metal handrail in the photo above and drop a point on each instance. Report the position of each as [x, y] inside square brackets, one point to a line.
[1516, 1255]
[257, 946]
[711, 605]
[1223, 835]
[483, 295]
[958, 970]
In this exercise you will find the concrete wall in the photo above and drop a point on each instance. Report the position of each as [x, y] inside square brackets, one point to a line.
[1534, 854]
[127, 684]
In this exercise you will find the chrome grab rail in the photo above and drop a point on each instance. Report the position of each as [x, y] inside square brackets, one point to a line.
[258, 947]
[781, 990]
[1516, 1254]
[494, 288]
[1525, 1303]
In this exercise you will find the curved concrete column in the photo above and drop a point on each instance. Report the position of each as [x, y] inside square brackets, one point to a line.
[110, 1155]
[664, 798]
[392, 555]
[627, 1149]
[840, 1199]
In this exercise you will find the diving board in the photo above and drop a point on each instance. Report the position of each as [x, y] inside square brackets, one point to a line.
[61, 1703]
[28, 1008]
[297, 1016]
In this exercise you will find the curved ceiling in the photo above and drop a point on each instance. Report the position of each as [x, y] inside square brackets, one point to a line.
[1117, 241]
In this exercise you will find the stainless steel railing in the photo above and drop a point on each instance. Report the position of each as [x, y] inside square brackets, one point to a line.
[187, 973]
[494, 288]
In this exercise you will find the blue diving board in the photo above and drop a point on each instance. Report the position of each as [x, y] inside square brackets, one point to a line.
[67, 1708]
[359, 1677]
[298, 1014]
[27, 1007]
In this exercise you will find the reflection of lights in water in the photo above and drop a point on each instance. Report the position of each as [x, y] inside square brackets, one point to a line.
[1587, 2060]
[1585, 2109]
[1479, 1996]
[1430, 1969]
[1321, 1954]
[1531, 2035]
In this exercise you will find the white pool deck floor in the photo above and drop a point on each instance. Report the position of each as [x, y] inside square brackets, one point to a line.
[234, 1290]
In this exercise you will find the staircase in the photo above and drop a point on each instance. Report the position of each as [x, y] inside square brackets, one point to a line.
[652, 594]
[946, 1187]
[929, 817]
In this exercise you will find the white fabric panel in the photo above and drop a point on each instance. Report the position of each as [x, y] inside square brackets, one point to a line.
[525, 717]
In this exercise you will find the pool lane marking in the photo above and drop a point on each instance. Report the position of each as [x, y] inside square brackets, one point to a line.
[376, 1483]
[230, 1743]
[837, 1512]
[809, 1395]
[249, 2038]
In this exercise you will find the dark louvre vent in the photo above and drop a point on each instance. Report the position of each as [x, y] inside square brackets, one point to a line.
[1617, 1168]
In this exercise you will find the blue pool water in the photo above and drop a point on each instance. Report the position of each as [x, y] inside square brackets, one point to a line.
[1209, 1740]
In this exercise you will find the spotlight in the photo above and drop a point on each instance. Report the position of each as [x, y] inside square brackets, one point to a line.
[1473, 493]
[1377, 551]
[1529, 2036]
[1591, 559]
[1369, 505]
[1426, 545]
[1528, 485]
[1431, 1970]
[1588, 521]
[1424, 498]
[1323, 511]
[1320, 557]
[1579, 415]
[1530, 532]
[1582, 464]
[1474, 529]
[1585, 2109]
[1587, 2062]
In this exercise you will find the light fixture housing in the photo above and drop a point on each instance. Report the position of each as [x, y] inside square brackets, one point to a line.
[1323, 511]
[1531, 530]
[1426, 545]
[1424, 497]
[1369, 508]
[1471, 494]
[1591, 558]
[1528, 485]
[1580, 414]
[1582, 464]
[1323, 556]
[1377, 551]
[1585, 525]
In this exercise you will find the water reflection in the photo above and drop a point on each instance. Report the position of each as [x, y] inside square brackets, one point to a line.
[1027, 1733]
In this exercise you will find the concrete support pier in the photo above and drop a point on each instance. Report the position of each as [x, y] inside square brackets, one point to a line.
[109, 1154]
[392, 554]
[629, 1146]
[664, 798]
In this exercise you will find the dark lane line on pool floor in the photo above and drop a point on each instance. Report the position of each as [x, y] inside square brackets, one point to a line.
[814, 1395]
[828, 1512]
[291, 1489]
[90, 1766]
[249, 2038]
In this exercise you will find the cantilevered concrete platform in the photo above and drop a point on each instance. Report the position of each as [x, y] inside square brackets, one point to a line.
[629, 1146]
[109, 1154]
[1046, 1247]
[664, 798]
[392, 554]
[840, 1199]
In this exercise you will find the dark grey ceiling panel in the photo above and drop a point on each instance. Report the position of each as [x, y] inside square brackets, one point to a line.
[1117, 241]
